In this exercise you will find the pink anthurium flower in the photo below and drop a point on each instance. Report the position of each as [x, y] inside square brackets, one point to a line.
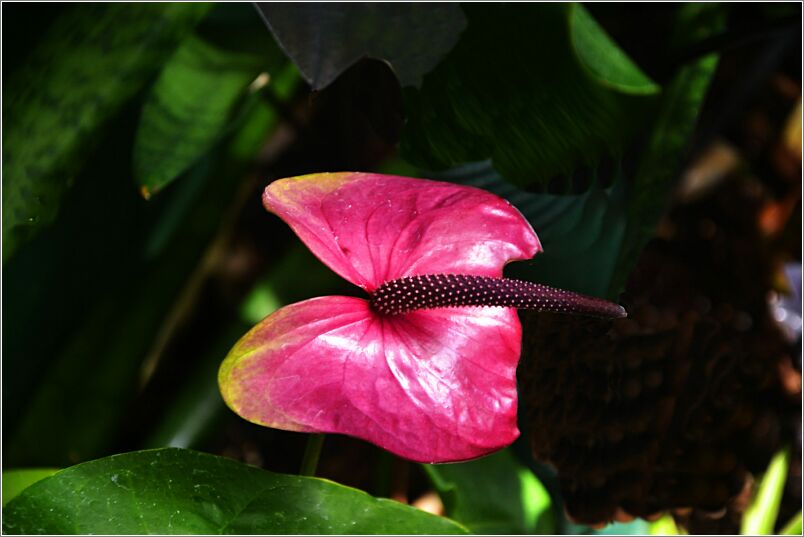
[423, 368]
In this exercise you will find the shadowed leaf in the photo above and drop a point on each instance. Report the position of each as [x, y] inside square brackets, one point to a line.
[93, 59]
[567, 96]
[325, 39]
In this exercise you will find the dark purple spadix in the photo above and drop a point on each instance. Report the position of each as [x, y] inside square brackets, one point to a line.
[455, 290]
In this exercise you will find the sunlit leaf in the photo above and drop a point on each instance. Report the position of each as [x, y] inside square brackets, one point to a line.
[324, 39]
[494, 494]
[92, 60]
[189, 107]
[563, 96]
[794, 526]
[180, 491]
[15, 481]
[604, 60]
[760, 517]
[666, 526]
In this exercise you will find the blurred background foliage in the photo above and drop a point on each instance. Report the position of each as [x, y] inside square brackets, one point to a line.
[137, 140]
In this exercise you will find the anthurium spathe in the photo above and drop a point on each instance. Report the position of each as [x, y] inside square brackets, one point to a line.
[422, 367]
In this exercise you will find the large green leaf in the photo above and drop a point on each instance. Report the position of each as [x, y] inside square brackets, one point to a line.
[557, 95]
[188, 109]
[324, 39]
[493, 495]
[15, 481]
[92, 60]
[174, 491]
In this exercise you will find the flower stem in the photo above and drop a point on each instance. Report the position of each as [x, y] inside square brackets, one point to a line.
[311, 454]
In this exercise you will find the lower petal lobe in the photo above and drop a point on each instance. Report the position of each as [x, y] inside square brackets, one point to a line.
[431, 386]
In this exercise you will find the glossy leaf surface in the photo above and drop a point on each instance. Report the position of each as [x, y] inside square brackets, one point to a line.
[94, 58]
[324, 39]
[173, 491]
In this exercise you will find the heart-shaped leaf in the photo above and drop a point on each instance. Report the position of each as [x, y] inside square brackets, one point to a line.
[324, 39]
[175, 491]
[92, 60]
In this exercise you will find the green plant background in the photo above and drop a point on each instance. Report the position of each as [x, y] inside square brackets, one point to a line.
[136, 141]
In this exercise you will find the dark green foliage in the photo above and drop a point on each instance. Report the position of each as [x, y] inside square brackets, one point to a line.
[118, 311]
[537, 110]
[93, 59]
[324, 39]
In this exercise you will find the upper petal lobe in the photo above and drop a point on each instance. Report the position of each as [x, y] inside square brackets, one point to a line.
[372, 228]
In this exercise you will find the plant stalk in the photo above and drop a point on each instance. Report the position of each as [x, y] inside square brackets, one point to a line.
[311, 454]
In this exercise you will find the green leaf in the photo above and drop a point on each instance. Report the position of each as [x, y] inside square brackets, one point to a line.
[15, 481]
[794, 526]
[188, 109]
[493, 495]
[174, 491]
[560, 94]
[92, 60]
[760, 517]
[605, 228]
[325, 39]
[603, 58]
